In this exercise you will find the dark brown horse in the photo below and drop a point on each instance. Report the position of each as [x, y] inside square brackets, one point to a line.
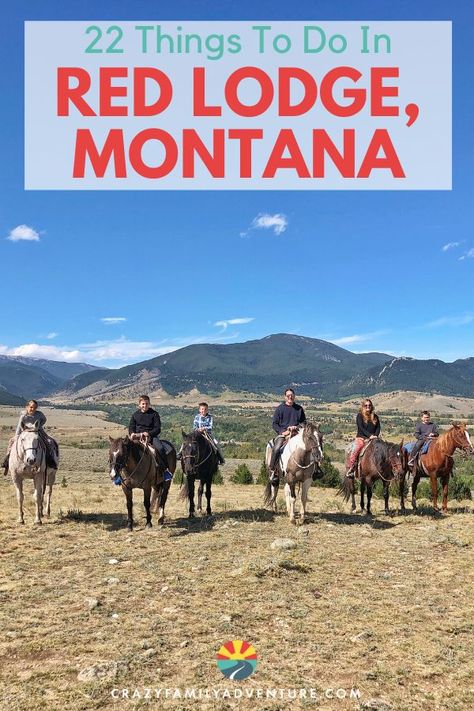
[381, 460]
[437, 463]
[134, 463]
[199, 460]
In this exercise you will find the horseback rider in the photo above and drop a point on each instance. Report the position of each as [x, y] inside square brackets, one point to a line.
[287, 418]
[368, 428]
[32, 417]
[425, 431]
[203, 422]
[145, 423]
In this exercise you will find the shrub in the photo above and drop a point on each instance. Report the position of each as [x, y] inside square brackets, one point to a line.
[459, 489]
[242, 475]
[262, 477]
[218, 478]
[331, 477]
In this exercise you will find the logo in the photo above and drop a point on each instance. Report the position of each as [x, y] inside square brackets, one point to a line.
[237, 659]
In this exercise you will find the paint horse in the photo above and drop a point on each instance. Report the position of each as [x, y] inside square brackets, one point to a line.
[437, 463]
[299, 460]
[380, 460]
[28, 460]
[132, 463]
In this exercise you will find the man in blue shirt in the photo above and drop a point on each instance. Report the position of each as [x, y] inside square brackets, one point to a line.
[425, 431]
[287, 418]
[203, 422]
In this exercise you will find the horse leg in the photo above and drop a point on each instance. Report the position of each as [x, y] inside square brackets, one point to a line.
[402, 492]
[20, 497]
[414, 486]
[445, 483]
[369, 498]
[163, 500]
[50, 477]
[304, 498]
[129, 495]
[434, 490]
[208, 496]
[362, 494]
[146, 503]
[292, 496]
[200, 493]
[39, 476]
[386, 493]
[191, 481]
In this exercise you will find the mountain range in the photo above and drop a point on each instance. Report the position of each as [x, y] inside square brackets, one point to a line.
[313, 366]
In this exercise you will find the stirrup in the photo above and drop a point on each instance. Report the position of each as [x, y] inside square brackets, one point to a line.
[350, 474]
[167, 475]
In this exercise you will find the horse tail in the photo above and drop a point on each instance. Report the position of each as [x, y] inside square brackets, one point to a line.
[184, 490]
[346, 488]
[267, 494]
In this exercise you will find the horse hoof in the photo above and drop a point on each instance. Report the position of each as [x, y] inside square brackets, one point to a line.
[191, 515]
[148, 525]
[161, 520]
[130, 528]
[293, 521]
[20, 520]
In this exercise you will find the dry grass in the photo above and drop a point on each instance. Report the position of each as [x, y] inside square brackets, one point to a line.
[383, 605]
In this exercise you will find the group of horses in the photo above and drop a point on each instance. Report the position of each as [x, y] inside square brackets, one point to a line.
[133, 464]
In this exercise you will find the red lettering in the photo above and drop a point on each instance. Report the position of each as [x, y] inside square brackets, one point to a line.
[232, 86]
[245, 136]
[381, 140]
[171, 153]
[107, 91]
[74, 95]
[113, 146]
[192, 144]
[285, 75]
[327, 88]
[379, 91]
[140, 76]
[286, 141]
[199, 101]
[345, 162]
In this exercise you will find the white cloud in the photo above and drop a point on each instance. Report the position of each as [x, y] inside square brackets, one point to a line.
[450, 245]
[113, 320]
[51, 335]
[35, 350]
[233, 322]
[23, 233]
[357, 338]
[277, 222]
[461, 320]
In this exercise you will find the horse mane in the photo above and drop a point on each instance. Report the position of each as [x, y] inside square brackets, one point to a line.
[381, 452]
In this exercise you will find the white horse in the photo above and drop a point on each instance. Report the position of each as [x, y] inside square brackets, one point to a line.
[297, 464]
[28, 461]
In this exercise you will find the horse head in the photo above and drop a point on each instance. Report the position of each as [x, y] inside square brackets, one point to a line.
[398, 458]
[118, 455]
[461, 437]
[190, 451]
[29, 445]
[313, 441]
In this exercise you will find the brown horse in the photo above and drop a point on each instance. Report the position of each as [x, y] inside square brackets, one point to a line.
[381, 460]
[133, 465]
[438, 463]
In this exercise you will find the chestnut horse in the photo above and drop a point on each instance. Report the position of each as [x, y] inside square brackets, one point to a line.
[438, 463]
[381, 460]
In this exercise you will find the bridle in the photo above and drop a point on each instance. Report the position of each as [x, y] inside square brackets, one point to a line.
[120, 462]
[200, 462]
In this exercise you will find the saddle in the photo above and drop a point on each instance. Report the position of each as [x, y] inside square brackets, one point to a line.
[359, 457]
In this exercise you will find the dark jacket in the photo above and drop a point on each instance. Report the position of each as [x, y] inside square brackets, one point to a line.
[287, 416]
[367, 429]
[422, 430]
[148, 421]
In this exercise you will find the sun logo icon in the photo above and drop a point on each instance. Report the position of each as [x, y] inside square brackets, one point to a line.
[237, 659]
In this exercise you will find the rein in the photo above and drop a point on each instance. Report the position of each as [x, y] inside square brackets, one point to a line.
[127, 478]
[193, 456]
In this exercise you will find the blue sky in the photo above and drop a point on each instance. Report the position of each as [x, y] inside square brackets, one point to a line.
[366, 270]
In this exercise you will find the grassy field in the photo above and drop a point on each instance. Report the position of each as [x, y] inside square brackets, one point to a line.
[381, 608]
